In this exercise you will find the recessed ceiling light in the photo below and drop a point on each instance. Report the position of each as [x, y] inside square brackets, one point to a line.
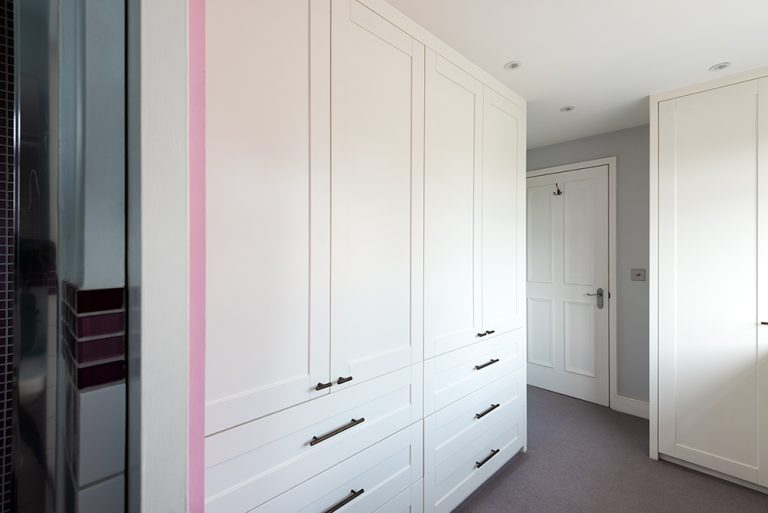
[567, 108]
[512, 65]
[719, 66]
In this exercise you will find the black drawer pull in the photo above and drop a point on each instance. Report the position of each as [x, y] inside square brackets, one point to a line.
[490, 332]
[486, 364]
[341, 380]
[486, 412]
[352, 423]
[346, 500]
[764, 323]
[494, 452]
[321, 386]
[482, 334]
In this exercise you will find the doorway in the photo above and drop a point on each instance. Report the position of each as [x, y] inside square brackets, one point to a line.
[571, 218]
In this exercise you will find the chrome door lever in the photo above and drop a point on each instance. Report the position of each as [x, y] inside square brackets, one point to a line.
[600, 295]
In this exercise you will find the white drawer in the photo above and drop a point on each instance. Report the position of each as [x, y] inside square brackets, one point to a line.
[366, 482]
[449, 377]
[450, 429]
[456, 473]
[408, 501]
[252, 463]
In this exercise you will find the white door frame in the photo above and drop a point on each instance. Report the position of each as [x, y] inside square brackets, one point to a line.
[617, 402]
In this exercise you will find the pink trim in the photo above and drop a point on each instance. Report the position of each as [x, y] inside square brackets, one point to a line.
[196, 460]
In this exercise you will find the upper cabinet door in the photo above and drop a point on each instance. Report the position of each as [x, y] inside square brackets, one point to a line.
[451, 208]
[503, 214]
[377, 182]
[268, 206]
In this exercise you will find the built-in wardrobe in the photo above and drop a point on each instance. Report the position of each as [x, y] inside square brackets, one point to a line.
[709, 288]
[365, 228]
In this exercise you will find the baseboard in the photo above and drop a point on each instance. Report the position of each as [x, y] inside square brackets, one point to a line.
[629, 406]
[713, 473]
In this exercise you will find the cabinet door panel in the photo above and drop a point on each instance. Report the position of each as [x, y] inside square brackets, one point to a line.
[762, 269]
[708, 359]
[453, 116]
[503, 213]
[267, 184]
[377, 76]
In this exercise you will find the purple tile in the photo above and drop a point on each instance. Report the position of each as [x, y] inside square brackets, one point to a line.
[96, 325]
[98, 300]
[101, 349]
[100, 374]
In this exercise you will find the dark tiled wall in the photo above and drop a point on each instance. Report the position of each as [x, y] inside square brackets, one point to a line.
[7, 224]
[93, 326]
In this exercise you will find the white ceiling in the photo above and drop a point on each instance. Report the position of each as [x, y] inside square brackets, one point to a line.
[603, 56]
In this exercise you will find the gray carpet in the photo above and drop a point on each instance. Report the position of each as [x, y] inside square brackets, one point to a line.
[584, 458]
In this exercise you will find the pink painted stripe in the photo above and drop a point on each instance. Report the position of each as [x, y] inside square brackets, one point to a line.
[196, 460]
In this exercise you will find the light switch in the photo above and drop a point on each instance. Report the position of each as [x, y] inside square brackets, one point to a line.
[638, 274]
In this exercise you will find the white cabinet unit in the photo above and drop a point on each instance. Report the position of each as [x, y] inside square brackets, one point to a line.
[332, 256]
[712, 291]
[474, 182]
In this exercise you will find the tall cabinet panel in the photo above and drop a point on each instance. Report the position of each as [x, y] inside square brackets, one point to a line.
[762, 269]
[376, 183]
[709, 404]
[503, 214]
[451, 212]
[268, 210]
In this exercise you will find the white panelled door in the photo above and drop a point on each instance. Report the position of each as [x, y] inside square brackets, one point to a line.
[268, 208]
[377, 101]
[451, 212]
[568, 320]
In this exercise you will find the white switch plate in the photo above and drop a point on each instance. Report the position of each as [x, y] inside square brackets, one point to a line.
[638, 274]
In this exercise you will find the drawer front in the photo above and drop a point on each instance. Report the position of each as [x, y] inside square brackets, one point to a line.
[456, 473]
[408, 501]
[453, 427]
[250, 464]
[449, 377]
[363, 483]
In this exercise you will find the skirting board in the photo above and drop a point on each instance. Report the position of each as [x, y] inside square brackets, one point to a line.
[713, 473]
[630, 406]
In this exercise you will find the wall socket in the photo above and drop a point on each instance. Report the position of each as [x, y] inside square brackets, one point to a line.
[638, 275]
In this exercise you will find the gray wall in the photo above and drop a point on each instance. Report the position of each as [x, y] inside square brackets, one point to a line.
[630, 147]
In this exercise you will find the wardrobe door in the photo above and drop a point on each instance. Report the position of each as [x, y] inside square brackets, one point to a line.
[762, 269]
[503, 214]
[377, 177]
[708, 213]
[451, 212]
[268, 209]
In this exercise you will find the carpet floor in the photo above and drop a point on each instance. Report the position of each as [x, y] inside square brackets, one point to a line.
[585, 458]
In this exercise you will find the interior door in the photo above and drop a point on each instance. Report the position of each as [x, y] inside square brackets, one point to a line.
[502, 203]
[762, 254]
[451, 209]
[268, 213]
[568, 319]
[377, 184]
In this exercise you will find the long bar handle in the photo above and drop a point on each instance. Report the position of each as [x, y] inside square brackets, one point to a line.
[486, 412]
[479, 464]
[486, 364]
[352, 423]
[346, 500]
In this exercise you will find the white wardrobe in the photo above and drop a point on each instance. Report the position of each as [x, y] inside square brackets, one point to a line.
[709, 293]
[365, 262]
